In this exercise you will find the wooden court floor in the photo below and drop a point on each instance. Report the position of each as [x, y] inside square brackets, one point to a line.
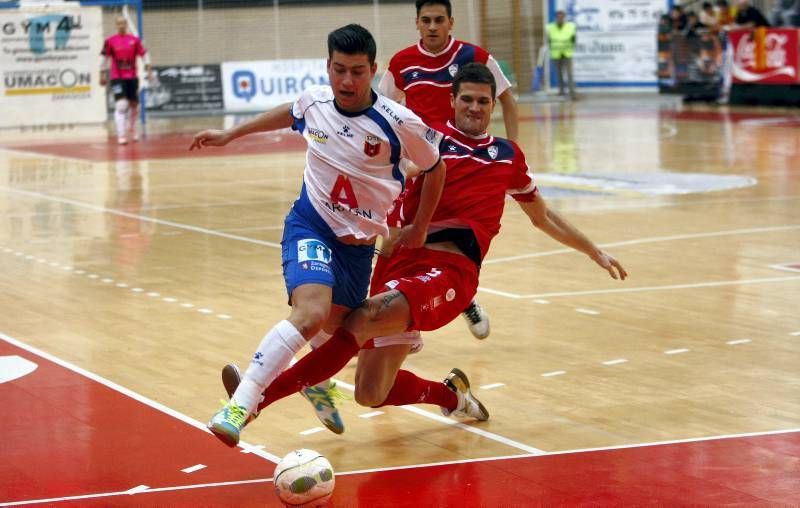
[152, 267]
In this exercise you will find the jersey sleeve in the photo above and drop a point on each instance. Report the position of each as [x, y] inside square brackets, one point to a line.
[502, 81]
[140, 48]
[420, 143]
[308, 97]
[522, 187]
[388, 88]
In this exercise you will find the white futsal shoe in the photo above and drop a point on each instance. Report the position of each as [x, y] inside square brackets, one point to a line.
[477, 320]
[468, 405]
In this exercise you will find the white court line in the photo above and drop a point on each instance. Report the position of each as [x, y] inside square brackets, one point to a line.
[554, 373]
[454, 423]
[142, 218]
[676, 351]
[492, 386]
[587, 311]
[653, 239]
[192, 469]
[125, 391]
[661, 288]
[787, 268]
[740, 341]
[615, 362]
[372, 414]
[137, 490]
[310, 431]
[416, 466]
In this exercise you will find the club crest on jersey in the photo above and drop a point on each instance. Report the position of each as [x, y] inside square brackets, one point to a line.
[492, 152]
[453, 69]
[372, 146]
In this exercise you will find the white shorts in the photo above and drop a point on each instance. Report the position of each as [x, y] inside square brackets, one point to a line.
[414, 338]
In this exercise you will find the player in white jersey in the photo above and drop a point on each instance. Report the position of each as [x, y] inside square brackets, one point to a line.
[357, 143]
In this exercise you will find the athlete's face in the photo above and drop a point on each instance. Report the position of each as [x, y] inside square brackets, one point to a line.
[351, 79]
[122, 25]
[434, 26]
[473, 108]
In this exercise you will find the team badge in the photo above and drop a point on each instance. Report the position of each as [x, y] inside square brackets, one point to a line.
[372, 146]
[453, 69]
[492, 152]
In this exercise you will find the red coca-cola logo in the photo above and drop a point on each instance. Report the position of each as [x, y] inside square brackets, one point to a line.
[778, 57]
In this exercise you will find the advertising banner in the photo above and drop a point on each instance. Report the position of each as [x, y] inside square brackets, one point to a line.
[260, 85]
[782, 47]
[186, 88]
[49, 64]
[616, 40]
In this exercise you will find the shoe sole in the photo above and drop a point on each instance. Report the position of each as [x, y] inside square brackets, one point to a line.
[231, 377]
[456, 373]
[224, 437]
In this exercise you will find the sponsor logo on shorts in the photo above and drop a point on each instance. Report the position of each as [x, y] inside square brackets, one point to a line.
[392, 284]
[450, 295]
[257, 358]
[313, 250]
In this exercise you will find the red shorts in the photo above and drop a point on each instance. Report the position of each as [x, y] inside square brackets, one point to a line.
[438, 285]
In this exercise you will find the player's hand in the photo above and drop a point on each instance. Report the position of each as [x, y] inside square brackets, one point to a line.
[103, 78]
[411, 237]
[210, 137]
[610, 264]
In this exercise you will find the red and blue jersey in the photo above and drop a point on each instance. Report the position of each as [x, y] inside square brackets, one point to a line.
[425, 79]
[481, 171]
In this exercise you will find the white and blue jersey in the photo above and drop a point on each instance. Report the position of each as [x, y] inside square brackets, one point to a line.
[353, 173]
[353, 167]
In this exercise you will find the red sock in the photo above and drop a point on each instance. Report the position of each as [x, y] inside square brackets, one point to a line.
[317, 366]
[410, 389]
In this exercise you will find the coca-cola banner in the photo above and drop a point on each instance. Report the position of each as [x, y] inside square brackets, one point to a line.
[782, 47]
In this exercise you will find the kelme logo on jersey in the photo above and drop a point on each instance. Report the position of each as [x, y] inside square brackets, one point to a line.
[492, 152]
[313, 250]
[317, 135]
[372, 146]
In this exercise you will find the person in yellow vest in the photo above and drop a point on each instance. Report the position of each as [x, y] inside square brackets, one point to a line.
[561, 43]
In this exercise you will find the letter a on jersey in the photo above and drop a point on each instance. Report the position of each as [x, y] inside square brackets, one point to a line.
[342, 192]
[372, 146]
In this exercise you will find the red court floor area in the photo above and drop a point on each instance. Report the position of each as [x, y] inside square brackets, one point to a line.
[74, 439]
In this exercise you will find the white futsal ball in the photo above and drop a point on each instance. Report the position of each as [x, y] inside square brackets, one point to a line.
[304, 478]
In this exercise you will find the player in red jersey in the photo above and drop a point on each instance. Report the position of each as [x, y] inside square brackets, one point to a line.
[425, 288]
[122, 49]
[422, 76]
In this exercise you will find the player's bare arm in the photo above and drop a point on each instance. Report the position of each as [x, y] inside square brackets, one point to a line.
[414, 234]
[552, 223]
[274, 119]
[510, 114]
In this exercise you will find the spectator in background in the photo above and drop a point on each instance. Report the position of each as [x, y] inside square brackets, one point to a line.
[693, 26]
[748, 16]
[724, 14]
[561, 38]
[786, 13]
[677, 18]
[709, 17]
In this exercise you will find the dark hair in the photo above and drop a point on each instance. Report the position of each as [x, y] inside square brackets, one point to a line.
[474, 72]
[446, 3]
[352, 40]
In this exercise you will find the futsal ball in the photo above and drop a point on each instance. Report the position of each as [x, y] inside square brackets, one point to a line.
[304, 478]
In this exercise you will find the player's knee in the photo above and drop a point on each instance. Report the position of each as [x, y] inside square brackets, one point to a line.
[308, 320]
[121, 106]
[369, 395]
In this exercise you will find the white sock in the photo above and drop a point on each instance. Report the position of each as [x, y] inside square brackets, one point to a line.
[121, 110]
[273, 355]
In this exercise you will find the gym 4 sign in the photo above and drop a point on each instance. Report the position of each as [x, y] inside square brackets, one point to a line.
[766, 56]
